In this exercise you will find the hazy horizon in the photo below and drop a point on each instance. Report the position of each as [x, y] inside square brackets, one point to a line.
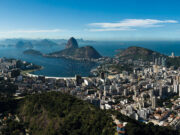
[96, 40]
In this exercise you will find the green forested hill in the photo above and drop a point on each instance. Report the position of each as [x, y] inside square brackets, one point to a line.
[145, 54]
[54, 113]
[135, 53]
[82, 52]
[60, 114]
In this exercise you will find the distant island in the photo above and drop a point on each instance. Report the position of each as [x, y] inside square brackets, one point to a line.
[72, 51]
[45, 43]
[34, 43]
[29, 44]
[32, 52]
[24, 44]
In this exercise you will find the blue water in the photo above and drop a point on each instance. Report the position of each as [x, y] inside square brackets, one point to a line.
[68, 68]
[164, 47]
[51, 66]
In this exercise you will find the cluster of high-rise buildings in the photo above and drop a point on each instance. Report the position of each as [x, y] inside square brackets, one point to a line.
[148, 94]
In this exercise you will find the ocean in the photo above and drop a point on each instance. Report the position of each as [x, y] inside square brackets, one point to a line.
[59, 67]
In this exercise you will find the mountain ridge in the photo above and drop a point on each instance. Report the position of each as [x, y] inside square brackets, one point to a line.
[72, 51]
[29, 44]
[72, 43]
[135, 52]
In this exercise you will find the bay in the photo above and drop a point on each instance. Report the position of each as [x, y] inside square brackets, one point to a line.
[59, 67]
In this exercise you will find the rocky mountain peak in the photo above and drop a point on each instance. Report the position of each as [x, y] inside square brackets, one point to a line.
[72, 43]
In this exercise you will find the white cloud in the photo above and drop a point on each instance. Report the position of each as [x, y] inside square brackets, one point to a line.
[112, 29]
[129, 24]
[30, 31]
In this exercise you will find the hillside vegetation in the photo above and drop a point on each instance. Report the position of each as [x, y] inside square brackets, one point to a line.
[138, 53]
[54, 113]
[60, 114]
[83, 52]
[73, 51]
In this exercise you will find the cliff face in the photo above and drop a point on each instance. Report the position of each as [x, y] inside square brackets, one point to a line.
[72, 51]
[138, 53]
[72, 43]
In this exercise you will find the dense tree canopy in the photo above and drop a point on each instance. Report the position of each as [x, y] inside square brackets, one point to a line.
[55, 113]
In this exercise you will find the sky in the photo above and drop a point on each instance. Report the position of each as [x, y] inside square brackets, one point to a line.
[91, 19]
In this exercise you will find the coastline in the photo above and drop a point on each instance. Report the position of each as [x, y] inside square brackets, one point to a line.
[29, 74]
[73, 58]
[51, 77]
[24, 72]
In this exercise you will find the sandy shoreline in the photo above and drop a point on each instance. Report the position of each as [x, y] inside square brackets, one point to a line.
[50, 77]
[29, 73]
